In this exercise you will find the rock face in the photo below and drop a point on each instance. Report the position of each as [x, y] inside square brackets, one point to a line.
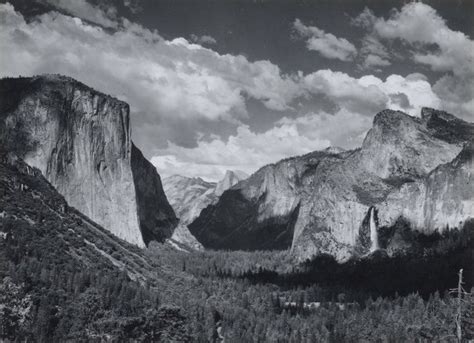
[231, 178]
[259, 212]
[80, 140]
[183, 240]
[37, 212]
[416, 169]
[156, 216]
[189, 196]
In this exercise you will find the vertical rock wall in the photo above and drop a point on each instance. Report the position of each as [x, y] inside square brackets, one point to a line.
[80, 139]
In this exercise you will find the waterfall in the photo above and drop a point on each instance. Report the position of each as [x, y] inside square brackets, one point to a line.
[374, 236]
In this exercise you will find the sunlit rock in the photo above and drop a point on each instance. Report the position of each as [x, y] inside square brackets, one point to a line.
[419, 169]
[80, 139]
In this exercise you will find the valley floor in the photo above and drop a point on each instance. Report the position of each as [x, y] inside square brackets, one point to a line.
[64, 278]
[262, 297]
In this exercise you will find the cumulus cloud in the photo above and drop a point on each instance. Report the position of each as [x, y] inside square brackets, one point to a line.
[326, 44]
[372, 60]
[105, 17]
[179, 91]
[457, 94]
[365, 19]
[369, 94]
[357, 99]
[406, 94]
[343, 129]
[419, 23]
[421, 28]
[346, 91]
[205, 39]
[164, 81]
[247, 150]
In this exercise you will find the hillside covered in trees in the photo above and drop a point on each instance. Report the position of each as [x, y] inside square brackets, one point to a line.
[63, 277]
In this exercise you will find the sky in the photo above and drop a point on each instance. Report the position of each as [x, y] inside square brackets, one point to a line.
[234, 85]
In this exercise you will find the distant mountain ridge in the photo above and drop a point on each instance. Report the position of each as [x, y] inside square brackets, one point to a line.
[80, 139]
[416, 169]
[189, 196]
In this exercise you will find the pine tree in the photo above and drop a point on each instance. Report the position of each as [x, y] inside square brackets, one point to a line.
[468, 318]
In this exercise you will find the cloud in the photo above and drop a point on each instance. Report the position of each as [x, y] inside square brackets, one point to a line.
[346, 91]
[406, 94]
[369, 94]
[456, 94]
[366, 19]
[357, 99]
[247, 150]
[189, 102]
[326, 44]
[400, 99]
[342, 129]
[374, 53]
[165, 81]
[133, 5]
[84, 10]
[418, 23]
[375, 61]
[205, 39]
[429, 41]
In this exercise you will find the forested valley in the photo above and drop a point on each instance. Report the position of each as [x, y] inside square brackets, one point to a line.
[66, 279]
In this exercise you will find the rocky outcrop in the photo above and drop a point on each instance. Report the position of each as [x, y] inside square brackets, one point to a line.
[443, 199]
[184, 240]
[231, 178]
[418, 169]
[156, 216]
[80, 140]
[189, 196]
[34, 214]
[397, 155]
[260, 211]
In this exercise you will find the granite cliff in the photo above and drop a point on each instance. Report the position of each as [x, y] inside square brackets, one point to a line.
[46, 245]
[189, 196]
[80, 140]
[413, 169]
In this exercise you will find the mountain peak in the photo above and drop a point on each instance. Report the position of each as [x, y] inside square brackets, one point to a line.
[447, 127]
[13, 89]
[428, 113]
[320, 203]
[236, 173]
[231, 178]
[390, 119]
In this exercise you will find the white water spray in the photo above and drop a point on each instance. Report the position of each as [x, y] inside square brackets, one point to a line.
[374, 236]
